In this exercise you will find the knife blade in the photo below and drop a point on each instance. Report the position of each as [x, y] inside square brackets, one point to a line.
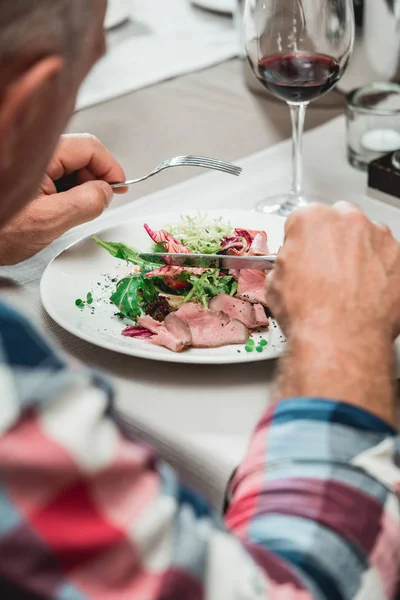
[210, 261]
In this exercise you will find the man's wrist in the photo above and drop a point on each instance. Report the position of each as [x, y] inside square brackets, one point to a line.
[358, 370]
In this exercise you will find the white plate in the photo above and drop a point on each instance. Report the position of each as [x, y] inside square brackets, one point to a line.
[221, 6]
[83, 266]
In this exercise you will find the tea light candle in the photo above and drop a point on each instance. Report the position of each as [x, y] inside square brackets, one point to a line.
[373, 123]
[381, 140]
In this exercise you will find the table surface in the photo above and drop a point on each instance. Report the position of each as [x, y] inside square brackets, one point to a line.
[211, 113]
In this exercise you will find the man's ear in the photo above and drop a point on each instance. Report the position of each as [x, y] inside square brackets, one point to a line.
[22, 102]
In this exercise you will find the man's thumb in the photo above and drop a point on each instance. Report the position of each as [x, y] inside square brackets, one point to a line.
[81, 204]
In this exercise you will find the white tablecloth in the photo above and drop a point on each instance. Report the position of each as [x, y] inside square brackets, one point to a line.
[165, 38]
[190, 411]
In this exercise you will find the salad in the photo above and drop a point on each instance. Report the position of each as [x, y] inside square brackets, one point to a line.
[179, 307]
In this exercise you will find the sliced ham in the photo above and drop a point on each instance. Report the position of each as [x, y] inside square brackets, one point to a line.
[179, 328]
[251, 286]
[212, 329]
[261, 317]
[259, 245]
[235, 309]
[173, 334]
[149, 323]
[166, 339]
[252, 232]
[252, 316]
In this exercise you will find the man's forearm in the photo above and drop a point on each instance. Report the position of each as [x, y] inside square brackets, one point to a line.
[358, 371]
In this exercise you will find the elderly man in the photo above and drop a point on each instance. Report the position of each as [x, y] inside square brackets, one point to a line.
[313, 511]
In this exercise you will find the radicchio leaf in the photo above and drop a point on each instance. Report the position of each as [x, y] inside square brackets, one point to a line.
[241, 242]
[238, 244]
[246, 235]
[171, 244]
[171, 271]
[138, 332]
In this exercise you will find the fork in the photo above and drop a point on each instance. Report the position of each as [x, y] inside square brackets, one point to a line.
[186, 161]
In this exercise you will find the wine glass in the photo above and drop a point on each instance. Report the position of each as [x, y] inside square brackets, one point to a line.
[298, 49]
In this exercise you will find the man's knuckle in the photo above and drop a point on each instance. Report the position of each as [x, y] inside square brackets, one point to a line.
[386, 231]
[297, 218]
[362, 219]
[94, 140]
[304, 214]
[356, 218]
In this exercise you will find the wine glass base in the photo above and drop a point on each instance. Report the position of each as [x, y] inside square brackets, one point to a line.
[284, 204]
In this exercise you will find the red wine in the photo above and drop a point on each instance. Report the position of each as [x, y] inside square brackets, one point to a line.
[298, 76]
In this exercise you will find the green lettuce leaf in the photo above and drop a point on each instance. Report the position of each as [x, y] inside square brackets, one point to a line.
[124, 252]
[132, 295]
[209, 285]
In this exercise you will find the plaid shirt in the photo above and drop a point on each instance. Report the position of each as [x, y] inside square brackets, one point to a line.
[86, 513]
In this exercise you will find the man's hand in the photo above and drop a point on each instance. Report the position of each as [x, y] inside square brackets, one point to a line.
[51, 214]
[335, 290]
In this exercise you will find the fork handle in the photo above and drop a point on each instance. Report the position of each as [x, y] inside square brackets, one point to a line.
[69, 182]
[116, 186]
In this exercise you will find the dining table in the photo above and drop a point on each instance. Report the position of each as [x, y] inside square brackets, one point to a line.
[198, 416]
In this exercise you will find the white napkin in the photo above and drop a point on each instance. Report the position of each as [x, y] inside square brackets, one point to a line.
[229, 449]
[163, 40]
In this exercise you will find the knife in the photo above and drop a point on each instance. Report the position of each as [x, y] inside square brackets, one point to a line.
[211, 261]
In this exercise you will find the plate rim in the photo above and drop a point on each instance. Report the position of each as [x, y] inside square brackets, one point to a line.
[172, 357]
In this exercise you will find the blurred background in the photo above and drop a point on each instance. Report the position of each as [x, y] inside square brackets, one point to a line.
[178, 71]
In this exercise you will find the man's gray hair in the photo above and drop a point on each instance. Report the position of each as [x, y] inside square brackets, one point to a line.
[30, 28]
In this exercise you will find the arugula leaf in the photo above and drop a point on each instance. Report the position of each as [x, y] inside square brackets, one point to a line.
[124, 252]
[234, 288]
[117, 249]
[148, 290]
[133, 294]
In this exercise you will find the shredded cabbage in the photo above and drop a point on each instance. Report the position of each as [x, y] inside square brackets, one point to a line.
[201, 234]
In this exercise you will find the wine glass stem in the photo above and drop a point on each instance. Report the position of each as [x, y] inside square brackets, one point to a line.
[298, 114]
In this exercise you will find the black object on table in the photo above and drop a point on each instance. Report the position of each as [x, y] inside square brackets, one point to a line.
[384, 180]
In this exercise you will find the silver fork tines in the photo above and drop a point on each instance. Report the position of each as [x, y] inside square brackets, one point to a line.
[187, 161]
